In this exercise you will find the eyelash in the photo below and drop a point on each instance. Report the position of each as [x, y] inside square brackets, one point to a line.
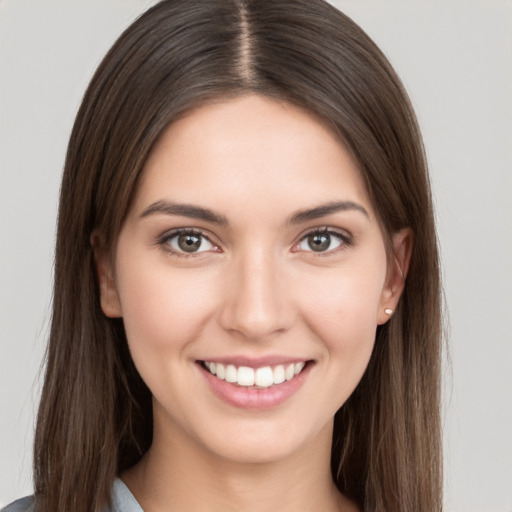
[164, 240]
[345, 241]
[344, 238]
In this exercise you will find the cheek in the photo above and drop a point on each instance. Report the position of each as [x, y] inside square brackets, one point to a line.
[164, 313]
[162, 309]
[341, 308]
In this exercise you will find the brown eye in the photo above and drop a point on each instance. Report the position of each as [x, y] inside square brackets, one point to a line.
[188, 242]
[319, 242]
[322, 241]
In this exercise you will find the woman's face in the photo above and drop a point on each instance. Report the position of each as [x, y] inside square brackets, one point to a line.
[252, 252]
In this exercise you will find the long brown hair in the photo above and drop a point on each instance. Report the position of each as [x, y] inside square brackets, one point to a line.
[95, 416]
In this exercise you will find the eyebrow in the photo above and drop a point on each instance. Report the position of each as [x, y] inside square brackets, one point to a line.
[325, 209]
[198, 212]
[185, 210]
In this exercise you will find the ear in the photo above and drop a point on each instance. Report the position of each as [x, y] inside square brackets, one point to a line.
[398, 267]
[109, 298]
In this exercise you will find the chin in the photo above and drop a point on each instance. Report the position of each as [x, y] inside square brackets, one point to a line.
[264, 442]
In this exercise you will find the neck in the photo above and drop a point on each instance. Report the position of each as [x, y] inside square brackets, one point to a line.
[179, 474]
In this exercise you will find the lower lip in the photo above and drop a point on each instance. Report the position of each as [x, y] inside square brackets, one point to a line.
[255, 398]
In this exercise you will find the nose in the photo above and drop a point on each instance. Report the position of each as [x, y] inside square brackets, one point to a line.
[256, 303]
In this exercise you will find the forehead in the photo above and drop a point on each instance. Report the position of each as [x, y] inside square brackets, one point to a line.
[250, 151]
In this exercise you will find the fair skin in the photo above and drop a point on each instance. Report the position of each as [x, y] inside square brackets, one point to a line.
[278, 259]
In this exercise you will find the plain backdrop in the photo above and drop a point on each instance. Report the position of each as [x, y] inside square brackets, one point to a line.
[455, 60]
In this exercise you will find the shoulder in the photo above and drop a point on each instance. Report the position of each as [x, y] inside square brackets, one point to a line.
[122, 501]
[22, 505]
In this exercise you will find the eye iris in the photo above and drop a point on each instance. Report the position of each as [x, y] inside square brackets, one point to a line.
[189, 243]
[319, 242]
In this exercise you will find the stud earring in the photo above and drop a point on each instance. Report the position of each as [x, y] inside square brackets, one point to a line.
[388, 311]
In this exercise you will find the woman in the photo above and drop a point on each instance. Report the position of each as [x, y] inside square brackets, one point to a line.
[246, 303]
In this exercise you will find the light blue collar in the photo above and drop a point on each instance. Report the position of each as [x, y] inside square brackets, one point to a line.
[122, 498]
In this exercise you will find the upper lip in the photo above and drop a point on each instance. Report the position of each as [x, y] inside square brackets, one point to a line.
[256, 362]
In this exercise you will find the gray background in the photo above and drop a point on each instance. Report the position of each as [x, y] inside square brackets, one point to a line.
[454, 57]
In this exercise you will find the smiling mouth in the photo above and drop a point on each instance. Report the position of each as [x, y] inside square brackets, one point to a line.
[263, 377]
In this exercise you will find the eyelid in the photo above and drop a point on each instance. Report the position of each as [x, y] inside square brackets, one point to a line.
[163, 241]
[344, 235]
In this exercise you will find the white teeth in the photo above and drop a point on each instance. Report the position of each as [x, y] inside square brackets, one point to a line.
[279, 374]
[245, 376]
[263, 377]
[221, 371]
[298, 367]
[231, 373]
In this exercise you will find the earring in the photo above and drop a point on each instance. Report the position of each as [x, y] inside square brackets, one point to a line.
[388, 311]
